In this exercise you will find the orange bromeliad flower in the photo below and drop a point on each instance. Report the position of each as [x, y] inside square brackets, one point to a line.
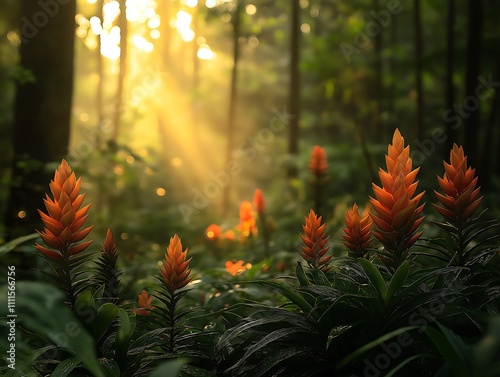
[236, 267]
[259, 202]
[109, 245]
[64, 217]
[315, 243]
[213, 231]
[398, 212]
[247, 219]
[144, 300]
[317, 164]
[357, 233]
[175, 266]
[461, 197]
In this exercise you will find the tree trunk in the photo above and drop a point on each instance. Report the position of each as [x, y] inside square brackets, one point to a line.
[123, 24]
[377, 88]
[232, 100]
[474, 43]
[450, 87]
[100, 70]
[42, 109]
[418, 71]
[294, 99]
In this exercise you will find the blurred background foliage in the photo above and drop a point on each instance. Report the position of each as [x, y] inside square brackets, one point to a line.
[155, 140]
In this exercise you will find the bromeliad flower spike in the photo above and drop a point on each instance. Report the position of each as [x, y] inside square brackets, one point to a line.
[357, 233]
[397, 211]
[315, 243]
[461, 197]
[175, 266]
[65, 216]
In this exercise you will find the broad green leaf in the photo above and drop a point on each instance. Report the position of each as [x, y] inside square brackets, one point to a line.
[397, 280]
[374, 275]
[449, 351]
[169, 368]
[11, 245]
[105, 316]
[301, 275]
[368, 346]
[50, 318]
[123, 335]
[320, 278]
[67, 366]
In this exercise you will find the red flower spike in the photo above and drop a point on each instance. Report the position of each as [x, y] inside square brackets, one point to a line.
[176, 265]
[461, 197]
[247, 219]
[259, 202]
[317, 164]
[64, 217]
[357, 233]
[109, 244]
[315, 243]
[397, 211]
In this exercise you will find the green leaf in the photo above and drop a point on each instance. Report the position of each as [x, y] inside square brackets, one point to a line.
[449, 349]
[123, 335]
[65, 368]
[105, 316]
[374, 275]
[397, 280]
[11, 245]
[110, 367]
[50, 318]
[301, 276]
[319, 277]
[401, 366]
[368, 346]
[288, 293]
[169, 368]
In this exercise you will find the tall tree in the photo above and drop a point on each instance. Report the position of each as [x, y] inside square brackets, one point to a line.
[100, 70]
[231, 124]
[294, 94]
[42, 107]
[123, 24]
[450, 87]
[377, 87]
[417, 21]
[474, 47]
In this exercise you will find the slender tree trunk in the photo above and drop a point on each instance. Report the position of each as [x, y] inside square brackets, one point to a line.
[165, 35]
[231, 124]
[418, 71]
[42, 109]
[294, 96]
[123, 24]
[450, 87]
[377, 89]
[490, 141]
[393, 74]
[474, 44]
[100, 69]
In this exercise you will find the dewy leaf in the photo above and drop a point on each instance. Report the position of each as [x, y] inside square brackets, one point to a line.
[374, 275]
[49, 317]
[66, 367]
